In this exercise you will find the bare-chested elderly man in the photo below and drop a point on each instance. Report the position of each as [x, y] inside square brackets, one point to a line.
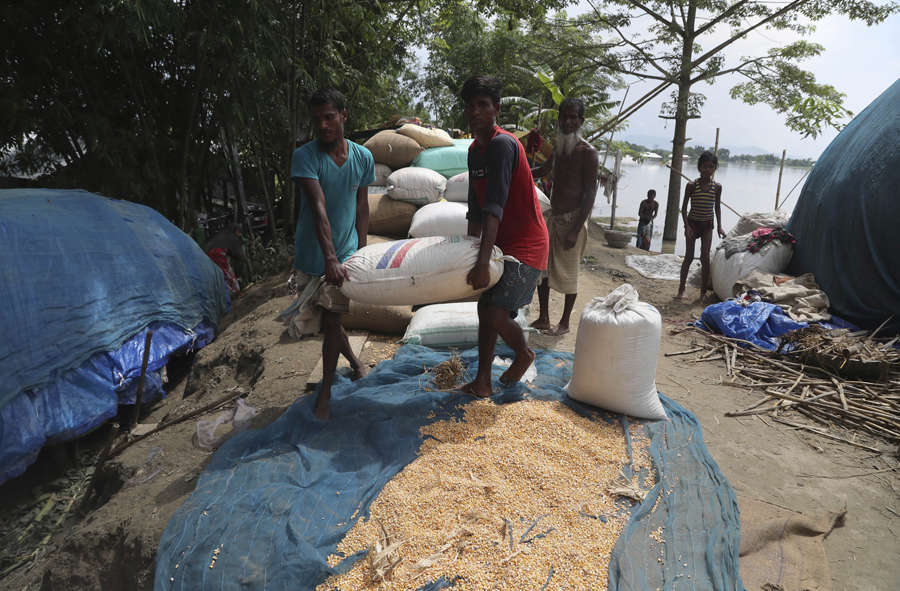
[574, 170]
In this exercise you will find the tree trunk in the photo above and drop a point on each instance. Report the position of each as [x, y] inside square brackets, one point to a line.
[673, 202]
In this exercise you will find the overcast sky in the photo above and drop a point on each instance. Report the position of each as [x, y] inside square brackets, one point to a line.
[859, 61]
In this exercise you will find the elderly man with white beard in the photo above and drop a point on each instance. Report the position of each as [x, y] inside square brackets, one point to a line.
[573, 166]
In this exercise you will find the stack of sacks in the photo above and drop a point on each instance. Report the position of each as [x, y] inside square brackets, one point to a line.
[399, 189]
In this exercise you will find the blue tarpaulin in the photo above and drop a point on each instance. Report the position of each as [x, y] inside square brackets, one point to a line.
[82, 399]
[848, 214]
[267, 498]
[81, 277]
[761, 323]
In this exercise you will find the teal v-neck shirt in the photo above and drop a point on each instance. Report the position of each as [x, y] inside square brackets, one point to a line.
[339, 185]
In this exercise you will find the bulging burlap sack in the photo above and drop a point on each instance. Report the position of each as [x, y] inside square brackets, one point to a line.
[427, 138]
[392, 149]
[389, 217]
[376, 239]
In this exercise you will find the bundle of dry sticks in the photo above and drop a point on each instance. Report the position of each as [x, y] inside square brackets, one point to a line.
[812, 385]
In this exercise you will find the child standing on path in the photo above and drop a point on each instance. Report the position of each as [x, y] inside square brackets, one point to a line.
[705, 198]
[646, 213]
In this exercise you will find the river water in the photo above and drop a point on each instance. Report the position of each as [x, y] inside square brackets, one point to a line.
[747, 188]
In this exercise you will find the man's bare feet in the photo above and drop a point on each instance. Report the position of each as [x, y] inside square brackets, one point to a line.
[322, 410]
[477, 388]
[541, 324]
[680, 295]
[358, 372]
[518, 368]
[557, 331]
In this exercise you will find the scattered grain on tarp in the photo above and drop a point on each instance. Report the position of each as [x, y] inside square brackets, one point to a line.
[498, 499]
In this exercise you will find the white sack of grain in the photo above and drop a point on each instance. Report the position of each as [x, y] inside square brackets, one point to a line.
[416, 185]
[615, 355]
[450, 325]
[542, 199]
[443, 218]
[458, 188]
[426, 137]
[416, 271]
[726, 271]
[382, 172]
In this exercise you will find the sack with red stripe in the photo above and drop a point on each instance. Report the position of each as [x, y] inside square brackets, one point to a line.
[416, 271]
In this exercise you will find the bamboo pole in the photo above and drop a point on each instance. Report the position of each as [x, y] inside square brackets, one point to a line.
[780, 172]
[140, 389]
[716, 154]
[612, 216]
[613, 130]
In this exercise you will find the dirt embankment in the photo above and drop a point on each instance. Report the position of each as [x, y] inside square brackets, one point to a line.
[112, 544]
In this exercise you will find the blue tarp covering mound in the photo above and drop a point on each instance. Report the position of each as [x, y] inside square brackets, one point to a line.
[267, 498]
[848, 215]
[81, 276]
[84, 398]
[761, 323]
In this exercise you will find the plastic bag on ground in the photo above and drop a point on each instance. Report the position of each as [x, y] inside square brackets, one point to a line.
[761, 323]
[211, 433]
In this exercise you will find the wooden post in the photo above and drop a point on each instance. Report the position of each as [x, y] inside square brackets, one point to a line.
[612, 215]
[780, 172]
[140, 388]
[716, 151]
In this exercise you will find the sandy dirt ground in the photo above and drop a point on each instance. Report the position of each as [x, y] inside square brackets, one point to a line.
[111, 545]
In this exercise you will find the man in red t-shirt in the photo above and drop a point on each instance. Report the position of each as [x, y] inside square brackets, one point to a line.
[503, 210]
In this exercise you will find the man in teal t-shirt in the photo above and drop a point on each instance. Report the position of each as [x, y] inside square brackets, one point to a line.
[332, 175]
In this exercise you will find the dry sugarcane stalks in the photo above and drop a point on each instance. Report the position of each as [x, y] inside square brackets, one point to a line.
[819, 393]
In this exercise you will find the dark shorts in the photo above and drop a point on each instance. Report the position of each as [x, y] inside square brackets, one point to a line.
[515, 288]
[699, 228]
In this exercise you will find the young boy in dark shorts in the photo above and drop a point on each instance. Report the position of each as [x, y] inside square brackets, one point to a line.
[503, 211]
[705, 198]
[647, 211]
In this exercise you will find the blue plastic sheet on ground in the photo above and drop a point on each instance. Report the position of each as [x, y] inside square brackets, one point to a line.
[761, 323]
[81, 274]
[82, 399]
[847, 216]
[267, 500]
